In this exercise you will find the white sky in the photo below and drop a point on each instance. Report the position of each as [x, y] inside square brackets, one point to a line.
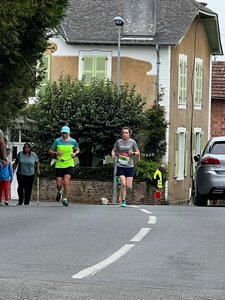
[218, 6]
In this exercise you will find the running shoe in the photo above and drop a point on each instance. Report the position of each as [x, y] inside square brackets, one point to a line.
[58, 196]
[6, 203]
[123, 203]
[65, 202]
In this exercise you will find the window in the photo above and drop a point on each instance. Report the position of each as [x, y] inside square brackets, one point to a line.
[182, 81]
[94, 64]
[181, 153]
[218, 148]
[198, 78]
[197, 144]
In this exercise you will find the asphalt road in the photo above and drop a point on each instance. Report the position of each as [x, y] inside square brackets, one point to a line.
[108, 252]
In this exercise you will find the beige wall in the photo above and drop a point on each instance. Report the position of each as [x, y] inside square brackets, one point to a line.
[64, 65]
[194, 45]
[133, 71]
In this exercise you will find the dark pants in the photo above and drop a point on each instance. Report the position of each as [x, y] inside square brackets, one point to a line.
[25, 184]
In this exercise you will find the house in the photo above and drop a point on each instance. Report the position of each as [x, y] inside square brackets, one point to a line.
[218, 99]
[164, 44]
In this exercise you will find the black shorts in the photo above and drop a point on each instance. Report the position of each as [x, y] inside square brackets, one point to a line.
[61, 172]
[123, 171]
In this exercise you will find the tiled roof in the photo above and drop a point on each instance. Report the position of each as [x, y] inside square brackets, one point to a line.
[91, 21]
[218, 79]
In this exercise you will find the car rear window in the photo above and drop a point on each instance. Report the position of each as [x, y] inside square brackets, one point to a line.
[218, 148]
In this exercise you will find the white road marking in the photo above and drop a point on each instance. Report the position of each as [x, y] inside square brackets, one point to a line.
[134, 206]
[145, 211]
[91, 271]
[152, 220]
[140, 235]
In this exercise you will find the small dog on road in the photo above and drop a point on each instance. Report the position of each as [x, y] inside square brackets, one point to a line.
[105, 201]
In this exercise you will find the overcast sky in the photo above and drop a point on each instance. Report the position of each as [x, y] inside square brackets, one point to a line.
[218, 6]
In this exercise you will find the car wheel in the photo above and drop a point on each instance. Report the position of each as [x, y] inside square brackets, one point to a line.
[200, 200]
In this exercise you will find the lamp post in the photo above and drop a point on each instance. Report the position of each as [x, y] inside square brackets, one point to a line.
[118, 22]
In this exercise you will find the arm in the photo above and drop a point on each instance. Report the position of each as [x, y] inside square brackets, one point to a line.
[10, 172]
[113, 153]
[77, 151]
[37, 167]
[15, 164]
[53, 150]
[136, 151]
[3, 153]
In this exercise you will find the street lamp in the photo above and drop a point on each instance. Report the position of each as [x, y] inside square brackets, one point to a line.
[118, 22]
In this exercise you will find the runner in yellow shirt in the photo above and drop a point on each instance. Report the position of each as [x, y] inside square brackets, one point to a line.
[66, 149]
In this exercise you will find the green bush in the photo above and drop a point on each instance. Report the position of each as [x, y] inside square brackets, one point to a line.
[146, 169]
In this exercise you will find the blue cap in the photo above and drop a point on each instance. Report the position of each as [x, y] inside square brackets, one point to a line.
[65, 129]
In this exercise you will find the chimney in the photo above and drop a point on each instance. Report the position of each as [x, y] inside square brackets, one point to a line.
[203, 3]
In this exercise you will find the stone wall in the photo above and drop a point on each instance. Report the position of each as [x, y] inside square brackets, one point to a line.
[91, 192]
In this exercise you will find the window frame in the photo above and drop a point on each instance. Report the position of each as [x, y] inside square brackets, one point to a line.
[198, 84]
[181, 153]
[182, 81]
[95, 53]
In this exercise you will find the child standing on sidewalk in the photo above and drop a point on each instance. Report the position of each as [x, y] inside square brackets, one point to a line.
[6, 176]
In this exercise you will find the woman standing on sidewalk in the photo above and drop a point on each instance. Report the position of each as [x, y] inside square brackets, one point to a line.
[126, 149]
[27, 163]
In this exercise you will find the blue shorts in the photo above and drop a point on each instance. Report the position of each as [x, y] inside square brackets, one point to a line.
[124, 171]
[61, 172]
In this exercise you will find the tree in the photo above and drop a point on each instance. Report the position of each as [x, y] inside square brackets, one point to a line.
[25, 27]
[152, 135]
[93, 112]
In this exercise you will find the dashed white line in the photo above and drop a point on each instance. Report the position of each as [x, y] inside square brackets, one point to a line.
[152, 220]
[145, 211]
[91, 271]
[140, 235]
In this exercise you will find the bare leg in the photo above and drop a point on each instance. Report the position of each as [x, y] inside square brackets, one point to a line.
[129, 182]
[59, 183]
[66, 185]
[123, 187]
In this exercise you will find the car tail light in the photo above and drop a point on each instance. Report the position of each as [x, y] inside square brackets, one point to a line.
[208, 160]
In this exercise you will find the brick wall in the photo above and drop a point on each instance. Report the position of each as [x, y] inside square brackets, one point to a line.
[91, 192]
[218, 117]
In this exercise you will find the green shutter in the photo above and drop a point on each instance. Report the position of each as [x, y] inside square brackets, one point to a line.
[101, 67]
[94, 66]
[193, 152]
[176, 154]
[88, 71]
[186, 161]
[198, 83]
[182, 92]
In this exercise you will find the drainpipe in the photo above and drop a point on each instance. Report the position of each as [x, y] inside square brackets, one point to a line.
[157, 48]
